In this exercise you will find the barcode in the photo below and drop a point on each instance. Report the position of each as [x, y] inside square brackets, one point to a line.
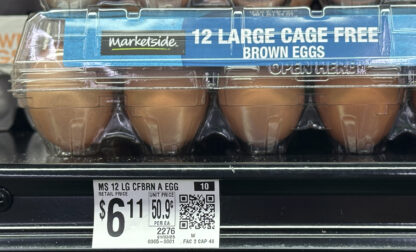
[197, 211]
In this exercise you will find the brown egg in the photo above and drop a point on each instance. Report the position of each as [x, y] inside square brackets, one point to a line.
[259, 3]
[261, 117]
[166, 119]
[350, 2]
[70, 4]
[359, 118]
[163, 3]
[300, 3]
[71, 119]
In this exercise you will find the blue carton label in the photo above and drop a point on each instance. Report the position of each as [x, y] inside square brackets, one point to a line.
[228, 37]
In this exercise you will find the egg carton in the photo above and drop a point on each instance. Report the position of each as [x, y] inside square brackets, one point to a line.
[250, 107]
[168, 80]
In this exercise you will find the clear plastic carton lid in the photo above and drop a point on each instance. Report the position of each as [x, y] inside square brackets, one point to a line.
[110, 48]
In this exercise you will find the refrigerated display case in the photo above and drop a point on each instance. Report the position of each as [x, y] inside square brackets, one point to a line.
[309, 155]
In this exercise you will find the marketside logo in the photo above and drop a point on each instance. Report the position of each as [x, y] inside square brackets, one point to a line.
[143, 43]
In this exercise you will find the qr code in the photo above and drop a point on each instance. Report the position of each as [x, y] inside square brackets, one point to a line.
[197, 211]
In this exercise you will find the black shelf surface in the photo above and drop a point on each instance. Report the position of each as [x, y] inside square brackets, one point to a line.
[292, 201]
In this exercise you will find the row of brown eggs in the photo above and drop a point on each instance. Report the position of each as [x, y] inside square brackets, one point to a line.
[71, 114]
[167, 119]
[357, 118]
[71, 4]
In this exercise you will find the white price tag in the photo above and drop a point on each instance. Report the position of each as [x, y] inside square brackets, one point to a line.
[156, 214]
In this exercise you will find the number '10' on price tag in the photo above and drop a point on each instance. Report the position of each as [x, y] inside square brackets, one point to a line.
[156, 214]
